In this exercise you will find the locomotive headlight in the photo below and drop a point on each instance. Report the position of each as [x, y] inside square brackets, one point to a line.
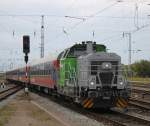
[92, 83]
[106, 65]
[121, 83]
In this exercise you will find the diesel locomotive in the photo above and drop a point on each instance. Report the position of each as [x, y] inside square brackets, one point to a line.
[85, 73]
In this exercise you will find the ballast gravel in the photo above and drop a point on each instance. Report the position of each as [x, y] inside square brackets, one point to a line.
[69, 117]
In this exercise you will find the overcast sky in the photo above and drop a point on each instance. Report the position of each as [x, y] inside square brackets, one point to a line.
[107, 18]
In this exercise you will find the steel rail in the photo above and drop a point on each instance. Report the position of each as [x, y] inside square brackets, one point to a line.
[6, 93]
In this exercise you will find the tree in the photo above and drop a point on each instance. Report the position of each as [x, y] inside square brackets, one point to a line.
[141, 68]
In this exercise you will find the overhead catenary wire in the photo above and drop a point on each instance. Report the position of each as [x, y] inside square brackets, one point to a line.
[89, 17]
[94, 14]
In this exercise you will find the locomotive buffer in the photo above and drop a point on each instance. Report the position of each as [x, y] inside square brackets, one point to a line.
[26, 50]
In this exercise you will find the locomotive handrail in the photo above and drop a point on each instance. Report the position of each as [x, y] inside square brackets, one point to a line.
[101, 65]
[99, 70]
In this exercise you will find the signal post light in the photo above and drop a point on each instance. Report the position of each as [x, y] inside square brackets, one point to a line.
[26, 51]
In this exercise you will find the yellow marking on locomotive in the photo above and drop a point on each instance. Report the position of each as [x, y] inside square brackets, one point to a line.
[84, 102]
[124, 102]
[90, 106]
[118, 105]
[88, 103]
[121, 103]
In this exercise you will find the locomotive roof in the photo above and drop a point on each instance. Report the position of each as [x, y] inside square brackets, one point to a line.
[82, 47]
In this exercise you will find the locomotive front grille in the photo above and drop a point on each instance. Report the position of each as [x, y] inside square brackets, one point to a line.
[106, 78]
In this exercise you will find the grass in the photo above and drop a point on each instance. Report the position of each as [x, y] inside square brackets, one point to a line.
[140, 79]
[5, 113]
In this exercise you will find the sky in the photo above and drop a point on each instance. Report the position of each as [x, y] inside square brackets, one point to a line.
[108, 19]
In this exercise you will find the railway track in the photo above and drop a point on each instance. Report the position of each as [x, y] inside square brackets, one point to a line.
[131, 118]
[140, 89]
[118, 118]
[143, 104]
[108, 117]
[140, 84]
[6, 93]
[113, 117]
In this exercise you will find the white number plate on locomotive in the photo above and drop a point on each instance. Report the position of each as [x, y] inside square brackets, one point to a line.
[106, 97]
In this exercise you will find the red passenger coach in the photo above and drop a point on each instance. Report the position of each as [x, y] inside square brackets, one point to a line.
[42, 74]
[43, 80]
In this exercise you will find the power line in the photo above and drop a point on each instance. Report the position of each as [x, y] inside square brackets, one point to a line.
[94, 14]
[90, 16]
[83, 17]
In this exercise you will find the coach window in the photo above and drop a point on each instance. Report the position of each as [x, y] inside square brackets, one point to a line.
[46, 72]
[43, 72]
[40, 72]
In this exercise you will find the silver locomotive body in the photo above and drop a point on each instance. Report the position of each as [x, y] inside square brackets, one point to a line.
[101, 81]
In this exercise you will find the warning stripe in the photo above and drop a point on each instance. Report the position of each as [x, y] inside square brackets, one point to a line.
[125, 102]
[84, 102]
[121, 103]
[90, 106]
[88, 103]
[118, 105]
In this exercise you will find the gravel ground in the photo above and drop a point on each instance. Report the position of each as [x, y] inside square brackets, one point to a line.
[66, 115]
[19, 111]
[35, 110]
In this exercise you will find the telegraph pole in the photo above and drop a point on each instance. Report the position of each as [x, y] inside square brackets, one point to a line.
[130, 52]
[42, 36]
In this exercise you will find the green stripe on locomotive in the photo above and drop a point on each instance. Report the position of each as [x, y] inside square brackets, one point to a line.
[67, 69]
[100, 48]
